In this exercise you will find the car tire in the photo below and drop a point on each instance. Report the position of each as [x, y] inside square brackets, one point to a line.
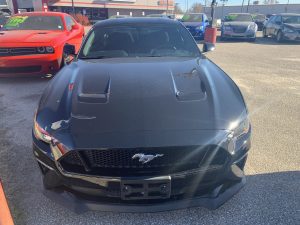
[222, 38]
[252, 39]
[264, 33]
[279, 36]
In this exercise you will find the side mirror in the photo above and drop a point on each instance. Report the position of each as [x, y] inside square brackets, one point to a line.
[208, 47]
[206, 21]
[75, 27]
[69, 50]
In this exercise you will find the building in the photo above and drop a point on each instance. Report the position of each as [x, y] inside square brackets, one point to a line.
[100, 9]
[221, 11]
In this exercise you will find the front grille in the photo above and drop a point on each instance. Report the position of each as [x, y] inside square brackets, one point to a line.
[119, 162]
[239, 29]
[18, 51]
[25, 69]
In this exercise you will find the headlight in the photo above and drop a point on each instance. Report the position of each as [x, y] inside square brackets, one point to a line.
[252, 27]
[49, 49]
[199, 28]
[40, 133]
[288, 30]
[45, 50]
[237, 129]
[227, 28]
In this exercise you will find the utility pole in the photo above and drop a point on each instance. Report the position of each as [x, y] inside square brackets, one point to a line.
[187, 5]
[223, 7]
[213, 4]
[73, 8]
[248, 5]
[167, 7]
[242, 6]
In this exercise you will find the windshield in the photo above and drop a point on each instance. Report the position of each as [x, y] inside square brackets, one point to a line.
[139, 41]
[291, 19]
[238, 17]
[34, 23]
[259, 17]
[192, 18]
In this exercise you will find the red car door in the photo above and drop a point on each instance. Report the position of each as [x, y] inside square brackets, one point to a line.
[74, 32]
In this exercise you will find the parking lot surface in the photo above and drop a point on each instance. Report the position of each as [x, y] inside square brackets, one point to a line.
[269, 77]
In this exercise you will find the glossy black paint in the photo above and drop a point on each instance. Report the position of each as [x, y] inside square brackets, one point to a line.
[141, 103]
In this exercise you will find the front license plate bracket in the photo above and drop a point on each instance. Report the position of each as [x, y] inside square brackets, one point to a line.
[150, 188]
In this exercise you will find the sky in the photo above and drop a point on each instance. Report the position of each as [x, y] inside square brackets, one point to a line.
[182, 3]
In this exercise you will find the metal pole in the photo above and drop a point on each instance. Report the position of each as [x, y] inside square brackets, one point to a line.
[242, 5]
[167, 7]
[248, 5]
[187, 5]
[213, 4]
[73, 8]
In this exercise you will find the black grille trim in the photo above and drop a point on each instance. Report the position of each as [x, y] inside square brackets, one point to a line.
[18, 51]
[119, 162]
[25, 69]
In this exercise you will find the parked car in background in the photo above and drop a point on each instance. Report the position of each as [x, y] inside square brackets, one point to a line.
[239, 25]
[184, 144]
[196, 24]
[119, 16]
[3, 18]
[169, 16]
[259, 19]
[285, 26]
[32, 43]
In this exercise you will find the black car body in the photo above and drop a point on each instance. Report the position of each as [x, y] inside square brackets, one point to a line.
[259, 19]
[144, 126]
[285, 26]
[3, 18]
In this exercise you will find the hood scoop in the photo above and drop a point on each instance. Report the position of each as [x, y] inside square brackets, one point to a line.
[96, 90]
[188, 86]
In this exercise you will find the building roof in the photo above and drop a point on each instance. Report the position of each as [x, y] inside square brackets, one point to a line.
[135, 20]
[42, 13]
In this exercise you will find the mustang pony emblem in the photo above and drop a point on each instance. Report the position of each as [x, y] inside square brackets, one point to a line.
[146, 158]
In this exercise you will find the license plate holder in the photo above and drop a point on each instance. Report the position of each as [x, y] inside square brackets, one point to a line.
[149, 188]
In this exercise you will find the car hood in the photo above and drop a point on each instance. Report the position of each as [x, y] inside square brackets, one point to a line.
[26, 36]
[237, 23]
[113, 101]
[292, 25]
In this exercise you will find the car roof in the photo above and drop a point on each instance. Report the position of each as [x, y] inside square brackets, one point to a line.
[289, 14]
[135, 20]
[239, 14]
[41, 14]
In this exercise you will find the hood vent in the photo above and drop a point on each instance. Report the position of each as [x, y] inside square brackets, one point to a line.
[188, 86]
[95, 90]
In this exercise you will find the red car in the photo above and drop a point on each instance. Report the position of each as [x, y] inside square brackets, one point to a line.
[32, 43]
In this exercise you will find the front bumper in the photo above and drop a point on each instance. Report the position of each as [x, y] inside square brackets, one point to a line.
[207, 187]
[246, 35]
[197, 34]
[292, 36]
[29, 65]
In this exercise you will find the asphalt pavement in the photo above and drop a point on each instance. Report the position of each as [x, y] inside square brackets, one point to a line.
[269, 77]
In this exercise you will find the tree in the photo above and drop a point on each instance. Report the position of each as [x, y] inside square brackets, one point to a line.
[177, 9]
[196, 8]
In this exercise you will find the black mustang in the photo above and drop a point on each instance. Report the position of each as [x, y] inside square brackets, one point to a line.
[141, 121]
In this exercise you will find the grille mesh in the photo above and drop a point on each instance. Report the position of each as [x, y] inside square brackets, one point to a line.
[119, 162]
[17, 51]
